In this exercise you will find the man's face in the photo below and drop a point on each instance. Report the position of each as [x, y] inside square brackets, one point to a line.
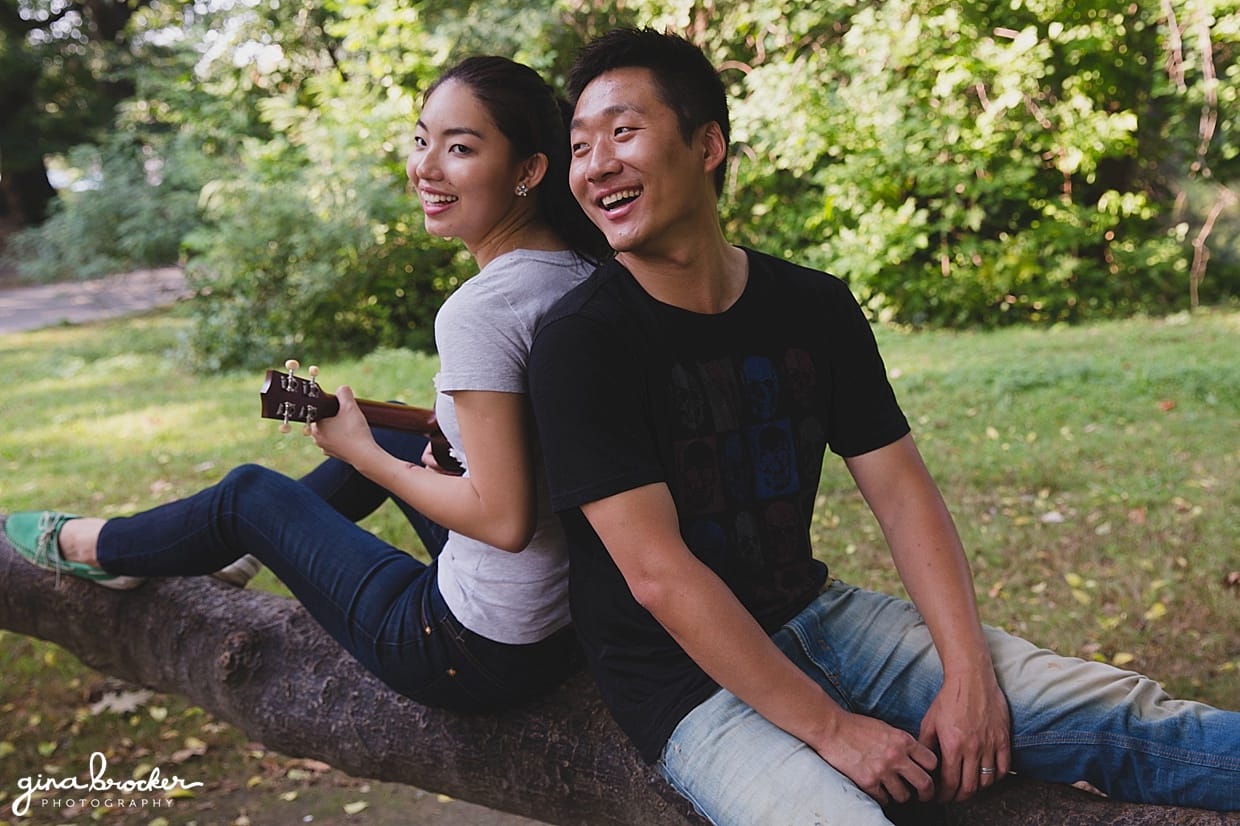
[632, 171]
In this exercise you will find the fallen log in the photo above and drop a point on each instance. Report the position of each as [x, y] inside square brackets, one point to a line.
[259, 662]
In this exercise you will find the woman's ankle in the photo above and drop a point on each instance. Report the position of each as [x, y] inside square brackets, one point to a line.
[79, 540]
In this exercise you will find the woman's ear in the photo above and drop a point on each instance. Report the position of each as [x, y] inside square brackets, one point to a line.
[533, 170]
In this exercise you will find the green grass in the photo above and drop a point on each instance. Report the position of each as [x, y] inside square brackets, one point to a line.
[105, 420]
[1094, 473]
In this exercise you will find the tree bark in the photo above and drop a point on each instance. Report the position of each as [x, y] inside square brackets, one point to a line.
[259, 662]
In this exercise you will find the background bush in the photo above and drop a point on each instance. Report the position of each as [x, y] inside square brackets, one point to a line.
[959, 164]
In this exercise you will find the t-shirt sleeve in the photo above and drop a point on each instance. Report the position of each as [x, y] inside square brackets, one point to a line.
[478, 336]
[593, 420]
[865, 414]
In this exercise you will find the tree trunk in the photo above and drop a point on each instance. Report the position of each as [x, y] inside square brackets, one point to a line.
[259, 662]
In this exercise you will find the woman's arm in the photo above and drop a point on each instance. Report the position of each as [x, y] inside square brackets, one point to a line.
[495, 503]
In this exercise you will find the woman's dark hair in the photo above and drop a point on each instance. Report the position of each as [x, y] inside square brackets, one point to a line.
[683, 76]
[534, 119]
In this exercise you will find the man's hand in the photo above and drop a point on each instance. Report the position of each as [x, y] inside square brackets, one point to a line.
[885, 762]
[970, 726]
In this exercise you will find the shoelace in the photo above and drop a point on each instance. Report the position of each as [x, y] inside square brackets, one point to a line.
[43, 551]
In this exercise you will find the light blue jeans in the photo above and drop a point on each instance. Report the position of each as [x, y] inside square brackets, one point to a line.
[1071, 720]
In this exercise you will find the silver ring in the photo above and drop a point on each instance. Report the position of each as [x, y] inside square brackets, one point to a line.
[985, 770]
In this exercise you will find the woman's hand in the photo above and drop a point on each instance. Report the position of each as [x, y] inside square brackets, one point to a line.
[431, 463]
[345, 436]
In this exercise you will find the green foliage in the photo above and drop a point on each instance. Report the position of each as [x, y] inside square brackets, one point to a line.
[311, 246]
[983, 165]
[132, 215]
[976, 164]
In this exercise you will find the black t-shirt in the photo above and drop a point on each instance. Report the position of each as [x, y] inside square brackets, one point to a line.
[734, 412]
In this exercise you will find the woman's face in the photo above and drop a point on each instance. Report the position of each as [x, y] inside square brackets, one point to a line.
[462, 167]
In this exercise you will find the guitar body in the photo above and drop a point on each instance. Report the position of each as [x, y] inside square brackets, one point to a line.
[290, 398]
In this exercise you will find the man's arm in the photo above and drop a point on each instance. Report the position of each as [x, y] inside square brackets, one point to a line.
[969, 721]
[641, 532]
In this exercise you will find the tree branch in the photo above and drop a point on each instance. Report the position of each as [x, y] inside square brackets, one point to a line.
[259, 662]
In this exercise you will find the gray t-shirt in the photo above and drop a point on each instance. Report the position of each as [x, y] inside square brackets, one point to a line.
[483, 333]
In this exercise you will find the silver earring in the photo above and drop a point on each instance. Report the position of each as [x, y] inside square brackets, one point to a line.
[522, 190]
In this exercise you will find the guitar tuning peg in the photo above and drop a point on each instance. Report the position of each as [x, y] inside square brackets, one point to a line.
[292, 365]
[313, 370]
[305, 431]
[285, 427]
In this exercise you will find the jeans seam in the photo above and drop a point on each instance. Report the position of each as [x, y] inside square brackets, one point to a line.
[1135, 744]
[831, 676]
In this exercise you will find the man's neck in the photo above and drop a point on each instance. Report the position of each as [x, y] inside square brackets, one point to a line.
[706, 278]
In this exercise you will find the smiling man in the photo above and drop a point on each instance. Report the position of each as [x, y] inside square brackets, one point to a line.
[686, 395]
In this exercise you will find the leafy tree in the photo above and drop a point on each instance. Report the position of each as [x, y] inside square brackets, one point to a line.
[62, 72]
[959, 164]
[984, 164]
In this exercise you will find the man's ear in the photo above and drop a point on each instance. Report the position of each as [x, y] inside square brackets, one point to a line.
[533, 170]
[714, 147]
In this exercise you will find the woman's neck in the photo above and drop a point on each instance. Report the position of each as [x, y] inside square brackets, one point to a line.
[530, 234]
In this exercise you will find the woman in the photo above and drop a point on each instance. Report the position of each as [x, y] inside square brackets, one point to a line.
[486, 623]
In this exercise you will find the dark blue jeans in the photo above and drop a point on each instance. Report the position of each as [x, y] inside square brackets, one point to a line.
[382, 605]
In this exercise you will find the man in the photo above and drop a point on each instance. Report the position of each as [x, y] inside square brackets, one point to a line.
[686, 395]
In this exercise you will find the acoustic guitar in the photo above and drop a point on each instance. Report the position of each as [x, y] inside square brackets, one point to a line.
[288, 398]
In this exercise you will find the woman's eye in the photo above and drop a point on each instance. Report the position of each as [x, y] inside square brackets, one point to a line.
[459, 149]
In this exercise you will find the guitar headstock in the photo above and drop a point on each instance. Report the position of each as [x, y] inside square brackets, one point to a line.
[290, 398]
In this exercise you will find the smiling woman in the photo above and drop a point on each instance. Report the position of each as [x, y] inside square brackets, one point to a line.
[486, 623]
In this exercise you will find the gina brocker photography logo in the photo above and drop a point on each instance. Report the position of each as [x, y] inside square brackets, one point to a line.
[98, 791]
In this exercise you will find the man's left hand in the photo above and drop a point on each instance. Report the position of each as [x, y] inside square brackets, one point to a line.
[969, 725]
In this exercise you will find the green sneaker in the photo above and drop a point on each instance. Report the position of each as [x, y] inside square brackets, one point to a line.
[35, 535]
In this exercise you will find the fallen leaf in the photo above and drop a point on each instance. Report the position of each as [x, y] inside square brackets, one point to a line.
[1122, 658]
[356, 807]
[1157, 611]
[121, 702]
[1166, 405]
[317, 766]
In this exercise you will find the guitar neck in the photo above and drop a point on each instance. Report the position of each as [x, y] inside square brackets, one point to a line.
[398, 416]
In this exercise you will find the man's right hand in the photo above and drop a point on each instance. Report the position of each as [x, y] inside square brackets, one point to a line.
[886, 763]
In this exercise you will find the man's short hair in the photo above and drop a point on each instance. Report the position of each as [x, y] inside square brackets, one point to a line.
[684, 78]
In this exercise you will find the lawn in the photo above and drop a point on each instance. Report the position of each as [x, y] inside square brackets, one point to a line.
[1094, 473]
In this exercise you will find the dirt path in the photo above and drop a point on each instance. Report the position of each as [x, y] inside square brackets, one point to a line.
[32, 307]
